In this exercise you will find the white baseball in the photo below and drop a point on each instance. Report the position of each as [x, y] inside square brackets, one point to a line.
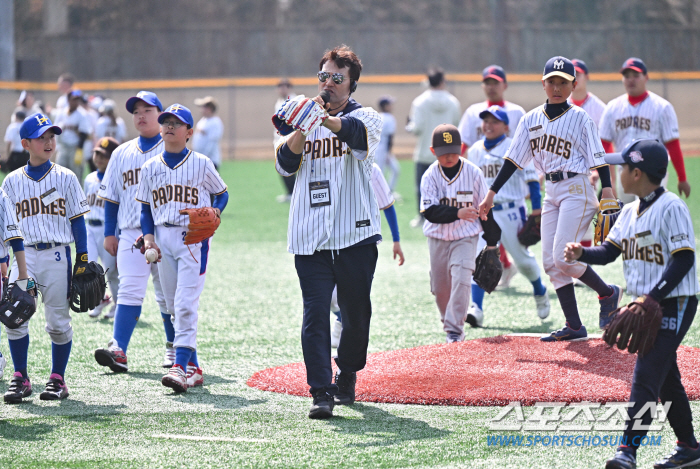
[151, 255]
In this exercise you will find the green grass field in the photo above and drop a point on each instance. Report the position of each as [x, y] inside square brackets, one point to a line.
[250, 319]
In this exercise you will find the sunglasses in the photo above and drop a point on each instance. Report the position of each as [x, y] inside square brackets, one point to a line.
[336, 77]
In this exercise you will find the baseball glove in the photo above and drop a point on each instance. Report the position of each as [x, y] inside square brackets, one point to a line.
[203, 223]
[19, 303]
[139, 244]
[529, 234]
[635, 331]
[608, 212]
[488, 269]
[299, 113]
[88, 285]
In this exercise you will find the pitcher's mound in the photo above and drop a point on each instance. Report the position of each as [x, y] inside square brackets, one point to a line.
[491, 371]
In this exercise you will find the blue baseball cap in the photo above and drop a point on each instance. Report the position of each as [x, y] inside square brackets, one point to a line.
[633, 63]
[647, 154]
[561, 67]
[179, 111]
[35, 125]
[496, 111]
[580, 66]
[75, 94]
[147, 97]
[494, 71]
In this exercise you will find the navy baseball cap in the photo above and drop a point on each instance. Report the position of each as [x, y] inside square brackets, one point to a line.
[496, 111]
[561, 67]
[446, 139]
[580, 66]
[633, 63]
[386, 99]
[494, 71]
[147, 97]
[75, 94]
[35, 125]
[647, 154]
[179, 111]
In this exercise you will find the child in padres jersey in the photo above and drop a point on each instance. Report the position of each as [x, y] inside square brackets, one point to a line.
[509, 210]
[450, 189]
[655, 236]
[563, 142]
[178, 179]
[50, 205]
[95, 221]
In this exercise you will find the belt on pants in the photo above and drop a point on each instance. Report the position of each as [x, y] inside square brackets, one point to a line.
[560, 176]
[94, 222]
[170, 225]
[44, 246]
[498, 207]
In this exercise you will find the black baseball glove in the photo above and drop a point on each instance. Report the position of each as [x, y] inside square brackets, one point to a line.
[529, 234]
[488, 269]
[88, 286]
[19, 303]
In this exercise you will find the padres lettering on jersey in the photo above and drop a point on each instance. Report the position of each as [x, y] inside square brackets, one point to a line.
[167, 190]
[569, 142]
[353, 212]
[470, 124]
[467, 188]
[121, 180]
[490, 162]
[44, 208]
[9, 226]
[593, 106]
[649, 239]
[97, 205]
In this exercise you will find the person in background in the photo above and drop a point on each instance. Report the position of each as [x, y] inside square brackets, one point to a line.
[208, 131]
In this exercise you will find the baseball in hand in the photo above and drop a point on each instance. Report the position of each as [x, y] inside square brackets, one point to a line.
[151, 255]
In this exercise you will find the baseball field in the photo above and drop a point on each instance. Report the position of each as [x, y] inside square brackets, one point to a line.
[250, 320]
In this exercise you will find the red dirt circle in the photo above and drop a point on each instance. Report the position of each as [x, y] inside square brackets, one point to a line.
[491, 372]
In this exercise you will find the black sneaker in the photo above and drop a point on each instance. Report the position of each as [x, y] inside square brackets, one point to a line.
[346, 388]
[623, 459]
[55, 389]
[682, 456]
[322, 408]
[20, 387]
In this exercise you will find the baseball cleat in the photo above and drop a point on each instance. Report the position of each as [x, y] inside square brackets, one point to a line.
[175, 379]
[98, 309]
[608, 306]
[542, 302]
[336, 329]
[567, 334]
[475, 316]
[507, 276]
[453, 337]
[346, 388]
[195, 377]
[3, 362]
[113, 357]
[112, 311]
[169, 359]
[622, 460]
[322, 407]
[20, 387]
[55, 389]
[681, 456]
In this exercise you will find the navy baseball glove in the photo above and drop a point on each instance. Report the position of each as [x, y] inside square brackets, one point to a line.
[88, 285]
[488, 269]
[19, 303]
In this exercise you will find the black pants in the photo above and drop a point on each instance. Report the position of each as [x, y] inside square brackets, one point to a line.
[420, 169]
[289, 183]
[656, 375]
[352, 269]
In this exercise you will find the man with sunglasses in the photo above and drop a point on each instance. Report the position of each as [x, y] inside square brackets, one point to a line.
[334, 228]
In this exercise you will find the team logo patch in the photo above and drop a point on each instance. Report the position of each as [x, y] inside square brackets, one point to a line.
[599, 154]
[426, 202]
[447, 137]
[11, 227]
[83, 203]
[361, 223]
[537, 127]
[103, 187]
[559, 64]
[636, 156]
[678, 238]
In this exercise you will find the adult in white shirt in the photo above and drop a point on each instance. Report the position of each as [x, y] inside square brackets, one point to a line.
[208, 131]
[384, 157]
[76, 128]
[17, 156]
[109, 124]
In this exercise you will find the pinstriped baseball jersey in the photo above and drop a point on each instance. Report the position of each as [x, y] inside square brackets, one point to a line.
[490, 162]
[594, 106]
[353, 212]
[9, 226]
[470, 124]
[652, 118]
[648, 239]
[122, 179]
[467, 188]
[45, 207]
[91, 186]
[385, 198]
[569, 142]
[190, 184]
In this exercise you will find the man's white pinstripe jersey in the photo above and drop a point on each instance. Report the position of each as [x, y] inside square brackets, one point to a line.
[353, 213]
[9, 226]
[385, 198]
[649, 239]
[436, 189]
[594, 106]
[121, 180]
[652, 118]
[490, 162]
[44, 208]
[569, 142]
[97, 205]
[470, 124]
[190, 184]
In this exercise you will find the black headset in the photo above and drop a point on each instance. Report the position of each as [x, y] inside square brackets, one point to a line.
[353, 86]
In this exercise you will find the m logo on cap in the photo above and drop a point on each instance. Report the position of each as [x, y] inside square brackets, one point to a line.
[636, 156]
[559, 64]
[447, 136]
[42, 119]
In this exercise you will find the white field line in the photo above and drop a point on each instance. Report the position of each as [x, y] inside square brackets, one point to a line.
[208, 438]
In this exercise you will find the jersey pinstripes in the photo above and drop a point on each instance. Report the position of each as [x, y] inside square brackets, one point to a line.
[41, 223]
[470, 124]
[569, 142]
[594, 106]
[190, 184]
[122, 179]
[490, 162]
[9, 226]
[652, 118]
[97, 206]
[666, 227]
[353, 214]
[436, 189]
[385, 198]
